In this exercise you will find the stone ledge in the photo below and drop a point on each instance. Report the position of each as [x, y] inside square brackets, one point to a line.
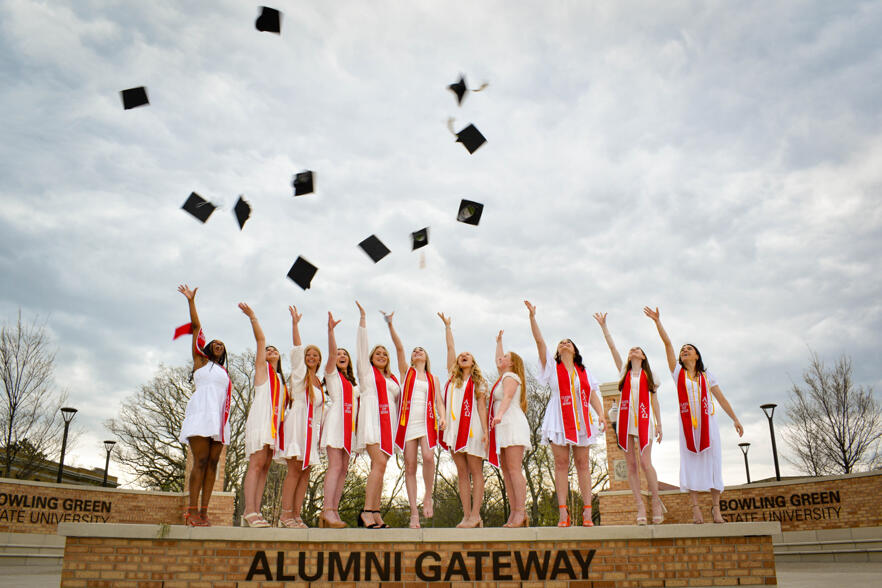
[602, 533]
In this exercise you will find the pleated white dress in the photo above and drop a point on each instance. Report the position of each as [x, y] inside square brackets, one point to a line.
[514, 428]
[258, 427]
[700, 471]
[295, 416]
[453, 406]
[552, 424]
[369, 410]
[204, 415]
[332, 431]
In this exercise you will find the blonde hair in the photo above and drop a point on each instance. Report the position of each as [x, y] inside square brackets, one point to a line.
[306, 378]
[386, 371]
[517, 366]
[476, 376]
[428, 363]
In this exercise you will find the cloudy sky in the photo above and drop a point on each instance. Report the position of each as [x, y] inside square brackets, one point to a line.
[718, 159]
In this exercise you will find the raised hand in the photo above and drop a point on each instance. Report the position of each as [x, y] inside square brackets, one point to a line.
[499, 337]
[295, 316]
[600, 318]
[247, 310]
[444, 319]
[653, 314]
[186, 291]
[530, 308]
[360, 308]
[388, 316]
[332, 324]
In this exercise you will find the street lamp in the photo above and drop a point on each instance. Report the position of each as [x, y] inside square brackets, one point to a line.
[67, 413]
[108, 446]
[744, 447]
[769, 409]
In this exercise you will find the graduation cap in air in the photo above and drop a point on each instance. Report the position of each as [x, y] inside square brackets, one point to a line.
[460, 89]
[375, 248]
[242, 211]
[470, 137]
[304, 183]
[302, 272]
[134, 97]
[198, 207]
[269, 21]
[419, 239]
[470, 212]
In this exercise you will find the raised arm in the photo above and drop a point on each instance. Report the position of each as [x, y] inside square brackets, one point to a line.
[362, 361]
[399, 347]
[448, 337]
[295, 325]
[669, 349]
[601, 320]
[537, 334]
[190, 295]
[724, 404]
[331, 365]
[260, 373]
[499, 350]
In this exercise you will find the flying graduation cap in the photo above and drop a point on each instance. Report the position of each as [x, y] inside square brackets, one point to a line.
[470, 212]
[134, 97]
[470, 137]
[304, 183]
[269, 21]
[375, 248]
[242, 211]
[198, 207]
[419, 239]
[460, 89]
[302, 273]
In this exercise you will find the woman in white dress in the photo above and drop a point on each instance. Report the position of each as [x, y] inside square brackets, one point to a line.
[264, 429]
[701, 457]
[419, 419]
[206, 425]
[466, 436]
[301, 425]
[338, 432]
[379, 395]
[510, 431]
[638, 410]
[569, 422]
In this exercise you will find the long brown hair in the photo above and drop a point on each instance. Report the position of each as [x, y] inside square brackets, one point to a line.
[650, 381]
[347, 373]
[517, 366]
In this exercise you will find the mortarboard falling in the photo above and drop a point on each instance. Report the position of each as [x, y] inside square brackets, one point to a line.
[471, 138]
[134, 97]
[470, 212]
[304, 183]
[459, 88]
[375, 248]
[198, 207]
[302, 272]
[242, 212]
[269, 21]
[419, 239]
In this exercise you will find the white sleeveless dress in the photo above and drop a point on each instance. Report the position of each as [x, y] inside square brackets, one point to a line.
[295, 416]
[453, 406]
[514, 428]
[332, 432]
[700, 471]
[369, 409]
[258, 427]
[552, 425]
[205, 411]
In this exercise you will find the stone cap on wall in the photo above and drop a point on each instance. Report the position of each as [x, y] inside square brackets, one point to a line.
[530, 534]
[17, 482]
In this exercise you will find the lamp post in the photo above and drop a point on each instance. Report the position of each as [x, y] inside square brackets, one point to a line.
[769, 409]
[744, 447]
[67, 413]
[108, 446]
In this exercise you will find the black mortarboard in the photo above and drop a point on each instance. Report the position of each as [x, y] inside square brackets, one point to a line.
[199, 206]
[419, 239]
[243, 211]
[134, 97]
[460, 89]
[374, 248]
[471, 138]
[303, 183]
[302, 272]
[470, 212]
[269, 21]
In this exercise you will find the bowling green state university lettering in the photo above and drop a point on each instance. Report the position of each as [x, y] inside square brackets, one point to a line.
[429, 566]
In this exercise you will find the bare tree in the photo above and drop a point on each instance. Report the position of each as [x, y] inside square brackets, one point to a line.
[29, 415]
[835, 427]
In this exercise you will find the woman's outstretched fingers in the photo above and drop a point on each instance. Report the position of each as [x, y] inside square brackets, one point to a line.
[600, 317]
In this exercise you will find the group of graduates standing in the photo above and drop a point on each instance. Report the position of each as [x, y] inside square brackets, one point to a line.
[339, 410]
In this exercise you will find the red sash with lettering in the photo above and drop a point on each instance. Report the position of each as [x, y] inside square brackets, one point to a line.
[642, 412]
[567, 407]
[226, 413]
[493, 456]
[464, 429]
[278, 417]
[347, 413]
[309, 411]
[686, 413]
[404, 410]
[385, 416]
[200, 337]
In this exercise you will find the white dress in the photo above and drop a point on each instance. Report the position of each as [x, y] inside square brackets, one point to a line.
[369, 409]
[258, 429]
[205, 411]
[475, 443]
[332, 431]
[632, 416]
[416, 420]
[514, 428]
[700, 471]
[552, 425]
[295, 416]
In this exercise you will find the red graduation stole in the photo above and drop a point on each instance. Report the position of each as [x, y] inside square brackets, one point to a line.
[226, 413]
[278, 417]
[567, 408]
[200, 337]
[686, 417]
[404, 410]
[465, 416]
[309, 410]
[493, 458]
[642, 412]
[347, 413]
[385, 416]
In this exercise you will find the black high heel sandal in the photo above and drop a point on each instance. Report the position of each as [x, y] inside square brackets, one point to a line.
[378, 525]
[361, 522]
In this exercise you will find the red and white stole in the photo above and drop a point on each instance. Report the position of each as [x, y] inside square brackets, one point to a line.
[642, 412]
[404, 409]
[464, 429]
[309, 411]
[200, 337]
[385, 416]
[226, 413]
[568, 408]
[687, 419]
[493, 458]
[278, 416]
[347, 413]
